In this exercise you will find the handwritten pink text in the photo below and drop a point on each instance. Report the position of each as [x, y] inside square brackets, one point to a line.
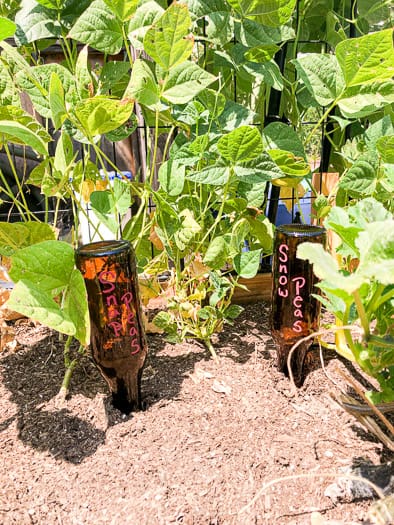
[283, 291]
[121, 314]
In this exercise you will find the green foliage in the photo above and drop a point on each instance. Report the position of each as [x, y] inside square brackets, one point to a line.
[361, 295]
[15, 236]
[49, 288]
[208, 223]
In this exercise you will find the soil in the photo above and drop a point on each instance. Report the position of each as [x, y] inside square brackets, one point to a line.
[219, 443]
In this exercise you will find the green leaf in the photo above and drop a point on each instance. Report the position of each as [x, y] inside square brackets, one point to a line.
[213, 101]
[216, 254]
[325, 267]
[8, 90]
[267, 72]
[82, 73]
[376, 246]
[188, 230]
[16, 132]
[75, 307]
[168, 41]
[99, 28]
[263, 53]
[199, 8]
[239, 233]
[214, 175]
[14, 236]
[220, 27]
[321, 75]
[101, 114]
[289, 163]
[247, 264]
[361, 101]
[124, 131]
[361, 178]
[253, 193]
[381, 128]
[36, 22]
[272, 13]
[251, 34]
[17, 114]
[37, 86]
[242, 144]
[114, 78]
[374, 11]
[278, 135]
[233, 311]
[34, 302]
[103, 205]
[258, 170]
[385, 146]
[367, 59]
[47, 264]
[339, 222]
[184, 82]
[30, 298]
[56, 101]
[64, 154]
[123, 9]
[146, 14]
[172, 177]
[235, 115]
[263, 230]
[7, 28]
[143, 86]
[50, 4]
[164, 321]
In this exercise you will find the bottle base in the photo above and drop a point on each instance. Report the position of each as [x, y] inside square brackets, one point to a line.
[297, 362]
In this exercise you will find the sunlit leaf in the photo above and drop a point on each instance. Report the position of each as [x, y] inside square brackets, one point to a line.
[99, 28]
[14, 131]
[247, 264]
[7, 28]
[242, 144]
[366, 59]
[216, 254]
[184, 82]
[101, 114]
[321, 75]
[168, 41]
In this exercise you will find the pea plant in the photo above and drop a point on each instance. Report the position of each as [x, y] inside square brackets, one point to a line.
[359, 288]
[211, 148]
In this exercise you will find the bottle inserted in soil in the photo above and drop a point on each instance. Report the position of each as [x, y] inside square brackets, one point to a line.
[294, 312]
[118, 343]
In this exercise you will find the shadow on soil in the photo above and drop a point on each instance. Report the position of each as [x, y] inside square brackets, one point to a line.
[34, 375]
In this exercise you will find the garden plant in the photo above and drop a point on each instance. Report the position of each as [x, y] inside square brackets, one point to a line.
[214, 150]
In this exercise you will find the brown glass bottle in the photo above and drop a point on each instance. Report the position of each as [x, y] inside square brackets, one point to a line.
[294, 312]
[118, 343]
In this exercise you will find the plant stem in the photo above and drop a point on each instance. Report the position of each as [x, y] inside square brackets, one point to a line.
[320, 121]
[155, 148]
[17, 181]
[218, 217]
[361, 313]
[375, 299]
[70, 365]
[383, 298]
[210, 347]
[127, 45]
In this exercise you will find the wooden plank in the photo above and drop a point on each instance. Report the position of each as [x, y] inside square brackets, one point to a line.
[259, 289]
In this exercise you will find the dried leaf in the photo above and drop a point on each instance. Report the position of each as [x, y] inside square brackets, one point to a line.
[199, 375]
[221, 388]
